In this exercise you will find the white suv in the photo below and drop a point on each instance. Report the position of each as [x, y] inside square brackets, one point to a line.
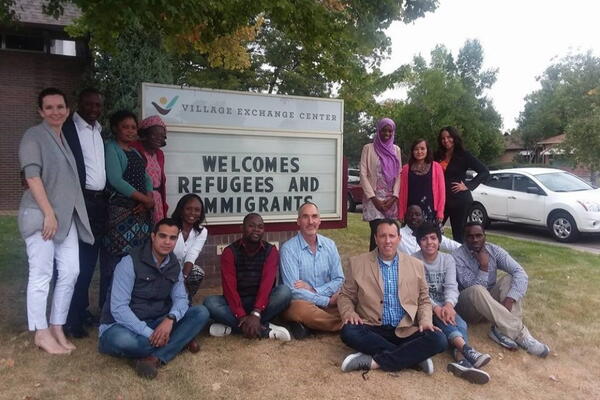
[547, 197]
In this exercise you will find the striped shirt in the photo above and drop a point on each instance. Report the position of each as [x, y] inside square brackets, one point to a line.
[322, 270]
[392, 309]
[469, 274]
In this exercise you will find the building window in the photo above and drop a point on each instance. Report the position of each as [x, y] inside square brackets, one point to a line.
[63, 47]
[17, 42]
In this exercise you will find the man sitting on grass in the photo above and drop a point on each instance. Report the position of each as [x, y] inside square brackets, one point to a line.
[414, 219]
[386, 309]
[483, 297]
[146, 315]
[250, 298]
[311, 267]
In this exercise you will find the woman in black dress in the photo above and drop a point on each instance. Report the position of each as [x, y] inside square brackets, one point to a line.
[455, 161]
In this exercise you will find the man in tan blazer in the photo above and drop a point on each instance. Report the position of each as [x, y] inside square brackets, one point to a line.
[386, 309]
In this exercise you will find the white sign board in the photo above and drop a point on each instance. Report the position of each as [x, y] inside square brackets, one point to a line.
[246, 152]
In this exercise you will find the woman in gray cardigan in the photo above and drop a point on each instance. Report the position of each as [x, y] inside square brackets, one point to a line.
[52, 217]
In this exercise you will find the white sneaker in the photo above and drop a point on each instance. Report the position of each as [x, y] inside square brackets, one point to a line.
[531, 344]
[427, 366]
[357, 362]
[219, 330]
[279, 333]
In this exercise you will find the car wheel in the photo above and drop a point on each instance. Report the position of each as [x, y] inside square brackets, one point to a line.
[478, 214]
[563, 227]
[351, 204]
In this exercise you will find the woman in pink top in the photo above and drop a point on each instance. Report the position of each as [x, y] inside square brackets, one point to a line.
[379, 176]
[422, 183]
[153, 136]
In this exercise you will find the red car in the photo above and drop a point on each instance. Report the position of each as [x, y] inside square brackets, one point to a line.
[355, 192]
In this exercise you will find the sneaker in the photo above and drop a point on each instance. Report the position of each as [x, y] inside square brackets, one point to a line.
[356, 362]
[147, 367]
[465, 370]
[532, 345]
[426, 366]
[298, 330]
[476, 358]
[279, 333]
[219, 330]
[502, 339]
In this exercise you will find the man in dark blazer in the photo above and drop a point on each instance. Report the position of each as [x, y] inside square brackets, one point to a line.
[83, 133]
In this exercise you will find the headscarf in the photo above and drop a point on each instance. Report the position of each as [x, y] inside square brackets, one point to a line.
[149, 122]
[386, 151]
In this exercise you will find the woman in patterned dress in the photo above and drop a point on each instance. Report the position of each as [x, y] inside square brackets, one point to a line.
[153, 136]
[130, 203]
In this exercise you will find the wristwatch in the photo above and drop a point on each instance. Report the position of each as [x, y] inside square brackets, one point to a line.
[255, 313]
[172, 317]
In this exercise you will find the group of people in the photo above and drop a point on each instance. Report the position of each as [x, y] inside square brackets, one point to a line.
[397, 305]
[436, 182]
[87, 200]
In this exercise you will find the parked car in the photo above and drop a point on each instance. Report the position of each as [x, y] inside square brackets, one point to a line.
[355, 192]
[549, 197]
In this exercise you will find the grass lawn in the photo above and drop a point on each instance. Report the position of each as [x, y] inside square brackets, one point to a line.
[562, 308]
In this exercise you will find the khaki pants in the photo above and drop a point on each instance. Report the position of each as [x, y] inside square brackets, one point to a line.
[314, 317]
[476, 304]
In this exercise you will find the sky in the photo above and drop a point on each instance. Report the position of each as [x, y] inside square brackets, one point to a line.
[520, 37]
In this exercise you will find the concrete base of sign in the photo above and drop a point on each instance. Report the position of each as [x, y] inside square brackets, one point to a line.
[210, 258]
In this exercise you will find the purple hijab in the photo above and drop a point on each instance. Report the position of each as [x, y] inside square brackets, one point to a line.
[390, 164]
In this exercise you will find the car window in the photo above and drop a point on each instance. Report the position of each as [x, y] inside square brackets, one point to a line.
[563, 182]
[500, 181]
[522, 182]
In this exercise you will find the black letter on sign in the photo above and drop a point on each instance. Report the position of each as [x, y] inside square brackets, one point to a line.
[293, 185]
[183, 183]
[209, 163]
[210, 204]
[295, 165]
[314, 184]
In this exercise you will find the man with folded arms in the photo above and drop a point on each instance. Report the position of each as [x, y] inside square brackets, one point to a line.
[311, 267]
[146, 315]
[499, 301]
[250, 298]
[386, 309]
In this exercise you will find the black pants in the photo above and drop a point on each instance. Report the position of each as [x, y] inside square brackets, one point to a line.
[96, 206]
[373, 224]
[457, 211]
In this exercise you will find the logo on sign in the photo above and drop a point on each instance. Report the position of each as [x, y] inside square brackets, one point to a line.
[166, 105]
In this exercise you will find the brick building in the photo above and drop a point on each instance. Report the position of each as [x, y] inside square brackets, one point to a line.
[35, 53]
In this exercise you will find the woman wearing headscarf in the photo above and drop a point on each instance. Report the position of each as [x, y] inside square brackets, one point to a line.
[152, 133]
[380, 176]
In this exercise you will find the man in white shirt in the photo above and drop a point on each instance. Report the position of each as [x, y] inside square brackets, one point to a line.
[414, 219]
[83, 133]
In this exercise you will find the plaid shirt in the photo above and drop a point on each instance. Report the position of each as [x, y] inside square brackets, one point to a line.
[392, 309]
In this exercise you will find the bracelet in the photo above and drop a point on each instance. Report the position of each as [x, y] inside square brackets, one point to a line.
[255, 313]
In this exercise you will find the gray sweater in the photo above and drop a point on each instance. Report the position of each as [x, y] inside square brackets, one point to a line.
[42, 154]
[441, 277]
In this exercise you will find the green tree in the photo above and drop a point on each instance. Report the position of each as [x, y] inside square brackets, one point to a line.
[445, 92]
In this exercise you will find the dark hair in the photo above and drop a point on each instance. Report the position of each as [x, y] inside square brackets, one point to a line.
[88, 90]
[428, 158]
[178, 213]
[388, 221]
[425, 229]
[165, 221]
[119, 116]
[51, 91]
[458, 143]
[247, 217]
[473, 223]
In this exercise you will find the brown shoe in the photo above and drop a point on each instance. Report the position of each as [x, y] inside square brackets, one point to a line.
[147, 367]
[193, 346]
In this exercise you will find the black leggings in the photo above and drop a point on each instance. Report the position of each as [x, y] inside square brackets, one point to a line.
[457, 212]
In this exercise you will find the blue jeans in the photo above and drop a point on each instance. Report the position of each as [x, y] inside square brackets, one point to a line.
[279, 300]
[121, 342]
[391, 352]
[453, 331]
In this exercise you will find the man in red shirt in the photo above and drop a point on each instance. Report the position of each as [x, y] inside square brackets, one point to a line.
[250, 298]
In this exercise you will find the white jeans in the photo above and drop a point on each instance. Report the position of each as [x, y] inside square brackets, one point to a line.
[42, 254]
